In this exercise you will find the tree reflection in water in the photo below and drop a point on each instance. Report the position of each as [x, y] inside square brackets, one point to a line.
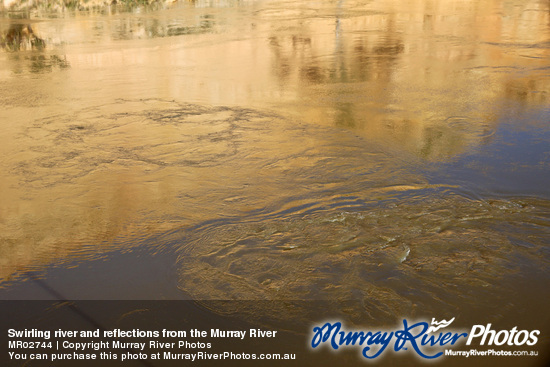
[21, 37]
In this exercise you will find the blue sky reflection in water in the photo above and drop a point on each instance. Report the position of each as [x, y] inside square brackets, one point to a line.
[387, 153]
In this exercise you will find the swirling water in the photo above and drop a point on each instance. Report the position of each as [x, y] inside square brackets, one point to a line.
[387, 154]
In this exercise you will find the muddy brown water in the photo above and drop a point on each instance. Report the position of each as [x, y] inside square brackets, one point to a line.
[387, 153]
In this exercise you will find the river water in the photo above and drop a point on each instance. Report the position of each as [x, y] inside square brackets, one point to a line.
[394, 154]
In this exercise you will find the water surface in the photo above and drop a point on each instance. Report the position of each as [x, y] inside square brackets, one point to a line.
[391, 154]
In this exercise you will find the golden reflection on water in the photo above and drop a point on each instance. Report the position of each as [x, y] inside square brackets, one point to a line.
[102, 148]
[118, 173]
[399, 73]
[428, 77]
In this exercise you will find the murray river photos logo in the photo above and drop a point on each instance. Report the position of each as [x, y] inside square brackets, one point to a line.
[429, 341]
